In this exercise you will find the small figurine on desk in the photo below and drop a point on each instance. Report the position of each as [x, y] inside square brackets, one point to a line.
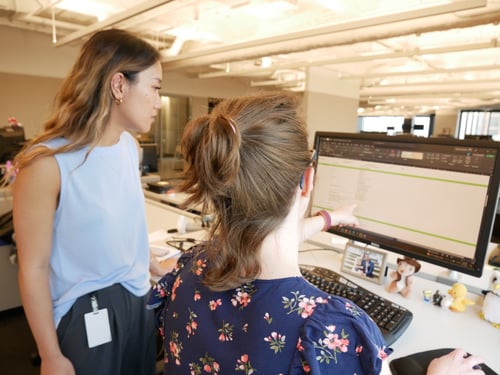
[402, 278]
[427, 295]
[460, 302]
[442, 300]
[491, 303]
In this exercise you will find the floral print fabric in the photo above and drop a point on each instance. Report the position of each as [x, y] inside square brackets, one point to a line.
[271, 327]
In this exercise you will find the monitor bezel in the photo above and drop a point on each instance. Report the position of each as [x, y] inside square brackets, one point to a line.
[484, 235]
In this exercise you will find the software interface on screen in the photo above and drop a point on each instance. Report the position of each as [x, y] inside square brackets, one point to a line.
[426, 198]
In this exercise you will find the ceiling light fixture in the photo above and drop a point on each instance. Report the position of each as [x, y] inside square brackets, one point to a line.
[264, 62]
[92, 8]
[191, 33]
[336, 6]
[272, 9]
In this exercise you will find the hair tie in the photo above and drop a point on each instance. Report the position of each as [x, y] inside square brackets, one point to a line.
[224, 120]
[230, 121]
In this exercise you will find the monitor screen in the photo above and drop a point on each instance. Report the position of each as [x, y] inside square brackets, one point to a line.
[433, 199]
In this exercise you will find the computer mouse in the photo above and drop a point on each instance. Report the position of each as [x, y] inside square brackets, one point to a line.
[417, 363]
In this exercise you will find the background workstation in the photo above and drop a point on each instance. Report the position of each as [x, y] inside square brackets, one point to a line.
[392, 178]
[432, 327]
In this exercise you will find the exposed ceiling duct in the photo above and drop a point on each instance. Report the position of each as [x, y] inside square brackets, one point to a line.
[411, 56]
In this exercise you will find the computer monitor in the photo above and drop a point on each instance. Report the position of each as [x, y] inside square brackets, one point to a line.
[432, 199]
[11, 141]
[149, 157]
[482, 137]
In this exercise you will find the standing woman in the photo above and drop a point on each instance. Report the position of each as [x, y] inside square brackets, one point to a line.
[79, 214]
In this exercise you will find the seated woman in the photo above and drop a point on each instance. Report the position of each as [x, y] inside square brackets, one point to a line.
[237, 303]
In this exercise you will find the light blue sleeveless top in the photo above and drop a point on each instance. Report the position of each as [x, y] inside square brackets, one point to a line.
[100, 233]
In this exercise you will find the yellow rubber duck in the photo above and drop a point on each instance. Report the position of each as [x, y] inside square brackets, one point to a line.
[459, 294]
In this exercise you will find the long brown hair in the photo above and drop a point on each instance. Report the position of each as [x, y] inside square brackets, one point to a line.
[244, 162]
[83, 102]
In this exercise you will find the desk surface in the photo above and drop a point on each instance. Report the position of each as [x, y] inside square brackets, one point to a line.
[432, 327]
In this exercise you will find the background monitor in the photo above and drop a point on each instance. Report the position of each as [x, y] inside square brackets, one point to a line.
[433, 199]
[11, 142]
[149, 157]
[482, 137]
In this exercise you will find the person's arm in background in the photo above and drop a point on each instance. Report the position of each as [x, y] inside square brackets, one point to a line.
[35, 198]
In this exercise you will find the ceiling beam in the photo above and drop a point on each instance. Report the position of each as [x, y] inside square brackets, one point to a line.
[448, 88]
[113, 20]
[368, 29]
[358, 58]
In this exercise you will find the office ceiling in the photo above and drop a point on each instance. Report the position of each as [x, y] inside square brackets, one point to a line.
[409, 56]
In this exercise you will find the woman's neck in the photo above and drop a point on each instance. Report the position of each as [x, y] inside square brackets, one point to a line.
[109, 138]
[280, 250]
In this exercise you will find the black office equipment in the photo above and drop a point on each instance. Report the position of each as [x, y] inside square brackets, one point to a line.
[433, 199]
[149, 157]
[494, 258]
[495, 231]
[391, 318]
[11, 141]
[160, 187]
[481, 137]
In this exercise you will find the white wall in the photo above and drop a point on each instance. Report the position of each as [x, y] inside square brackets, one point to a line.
[31, 69]
[28, 99]
[445, 122]
[33, 54]
[330, 104]
[29, 53]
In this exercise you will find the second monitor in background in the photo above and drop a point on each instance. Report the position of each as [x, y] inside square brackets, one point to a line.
[149, 158]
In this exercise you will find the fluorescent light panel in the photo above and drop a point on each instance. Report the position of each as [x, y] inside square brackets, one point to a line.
[88, 7]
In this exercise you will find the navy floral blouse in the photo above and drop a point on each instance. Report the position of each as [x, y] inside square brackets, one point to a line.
[268, 327]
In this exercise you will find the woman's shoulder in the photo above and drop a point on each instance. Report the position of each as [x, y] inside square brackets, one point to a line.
[163, 288]
[53, 143]
[341, 331]
[129, 140]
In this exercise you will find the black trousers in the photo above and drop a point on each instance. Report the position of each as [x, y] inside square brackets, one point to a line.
[132, 350]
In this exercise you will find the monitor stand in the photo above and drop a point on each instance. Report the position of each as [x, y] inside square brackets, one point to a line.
[448, 277]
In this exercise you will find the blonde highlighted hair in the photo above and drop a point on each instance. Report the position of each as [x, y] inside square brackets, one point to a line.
[83, 103]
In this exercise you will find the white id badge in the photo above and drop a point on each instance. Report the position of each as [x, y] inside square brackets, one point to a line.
[97, 326]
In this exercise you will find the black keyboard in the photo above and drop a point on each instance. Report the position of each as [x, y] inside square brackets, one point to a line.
[391, 318]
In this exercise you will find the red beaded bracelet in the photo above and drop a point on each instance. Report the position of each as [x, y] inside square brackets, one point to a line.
[327, 218]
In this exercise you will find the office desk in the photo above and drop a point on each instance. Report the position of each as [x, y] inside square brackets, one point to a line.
[432, 327]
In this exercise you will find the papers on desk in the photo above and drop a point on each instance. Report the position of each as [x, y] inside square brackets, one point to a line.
[158, 245]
